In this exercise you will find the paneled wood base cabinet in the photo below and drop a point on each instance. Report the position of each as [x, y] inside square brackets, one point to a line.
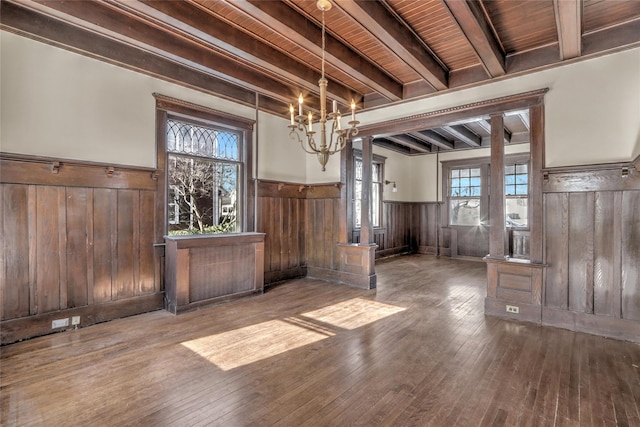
[205, 269]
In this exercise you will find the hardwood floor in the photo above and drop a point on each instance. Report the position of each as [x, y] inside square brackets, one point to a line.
[417, 351]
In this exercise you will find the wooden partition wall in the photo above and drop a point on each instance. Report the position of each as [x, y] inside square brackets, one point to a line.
[592, 249]
[301, 228]
[78, 240]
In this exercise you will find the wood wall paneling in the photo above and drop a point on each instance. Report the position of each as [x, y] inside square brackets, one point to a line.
[592, 248]
[74, 241]
[146, 281]
[282, 211]
[77, 247]
[15, 273]
[605, 246]
[580, 252]
[631, 255]
[48, 250]
[126, 218]
[557, 250]
[103, 203]
[206, 269]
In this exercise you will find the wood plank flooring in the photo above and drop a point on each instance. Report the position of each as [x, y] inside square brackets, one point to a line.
[417, 351]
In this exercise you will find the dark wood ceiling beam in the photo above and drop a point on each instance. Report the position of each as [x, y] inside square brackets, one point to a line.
[523, 116]
[486, 125]
[398, 38]
[516, 138]
[478, 31]
[191, 20]
[623, 36]
[150, 38]
[407, 141]
[290, 24]
[463, 134]
[384, 143]
[569, 24]
[434, 139]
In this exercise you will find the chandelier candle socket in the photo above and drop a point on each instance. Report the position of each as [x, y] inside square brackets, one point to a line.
[304, 132]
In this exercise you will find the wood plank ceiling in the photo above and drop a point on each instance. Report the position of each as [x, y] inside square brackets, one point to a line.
[265, 53]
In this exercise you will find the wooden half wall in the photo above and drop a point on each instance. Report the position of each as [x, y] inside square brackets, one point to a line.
[592, 249]
[78, 240]
[301, 226]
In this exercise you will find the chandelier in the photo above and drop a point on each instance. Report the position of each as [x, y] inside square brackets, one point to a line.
[302, 126]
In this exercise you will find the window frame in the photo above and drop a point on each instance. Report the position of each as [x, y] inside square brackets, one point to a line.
[512, 161]
[170, 108]
[212, 161]
[377, 159]
[484, 163]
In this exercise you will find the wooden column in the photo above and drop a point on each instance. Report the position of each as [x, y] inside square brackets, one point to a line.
[497, 242]
[536, 114]
[366, 230]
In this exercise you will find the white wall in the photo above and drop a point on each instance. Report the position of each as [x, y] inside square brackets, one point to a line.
[590, 105]
[60, 104]
[280, 158]
[56, 103]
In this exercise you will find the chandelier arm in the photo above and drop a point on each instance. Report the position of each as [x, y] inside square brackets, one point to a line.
[294, 135]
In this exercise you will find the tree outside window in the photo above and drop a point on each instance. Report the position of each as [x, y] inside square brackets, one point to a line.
[464, 196]
[203, 178]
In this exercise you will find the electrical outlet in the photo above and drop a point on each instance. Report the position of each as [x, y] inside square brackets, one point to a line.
[513, 309]
[75, 320]
[59, 323]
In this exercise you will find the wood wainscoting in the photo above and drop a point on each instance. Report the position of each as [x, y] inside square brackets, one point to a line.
[409, 227]
[592, 248]
[205, 269]
[78, 240]
[301, 225]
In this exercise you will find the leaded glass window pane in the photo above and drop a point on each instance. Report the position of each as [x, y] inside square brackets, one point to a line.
[204, 172]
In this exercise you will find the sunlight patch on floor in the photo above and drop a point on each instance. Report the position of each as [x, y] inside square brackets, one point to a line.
[353, 313]
[250, 344]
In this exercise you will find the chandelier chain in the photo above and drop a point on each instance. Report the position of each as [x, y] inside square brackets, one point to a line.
[334, 139]
[323, 42]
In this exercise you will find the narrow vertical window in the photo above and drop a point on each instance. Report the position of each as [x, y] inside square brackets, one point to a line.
[376, 192]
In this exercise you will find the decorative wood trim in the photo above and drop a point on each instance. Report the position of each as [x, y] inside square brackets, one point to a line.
[606, 177]
[32, 326]
[592, 324]
[210, 115]
[291, 190]
[447, 115]
[27, 169]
